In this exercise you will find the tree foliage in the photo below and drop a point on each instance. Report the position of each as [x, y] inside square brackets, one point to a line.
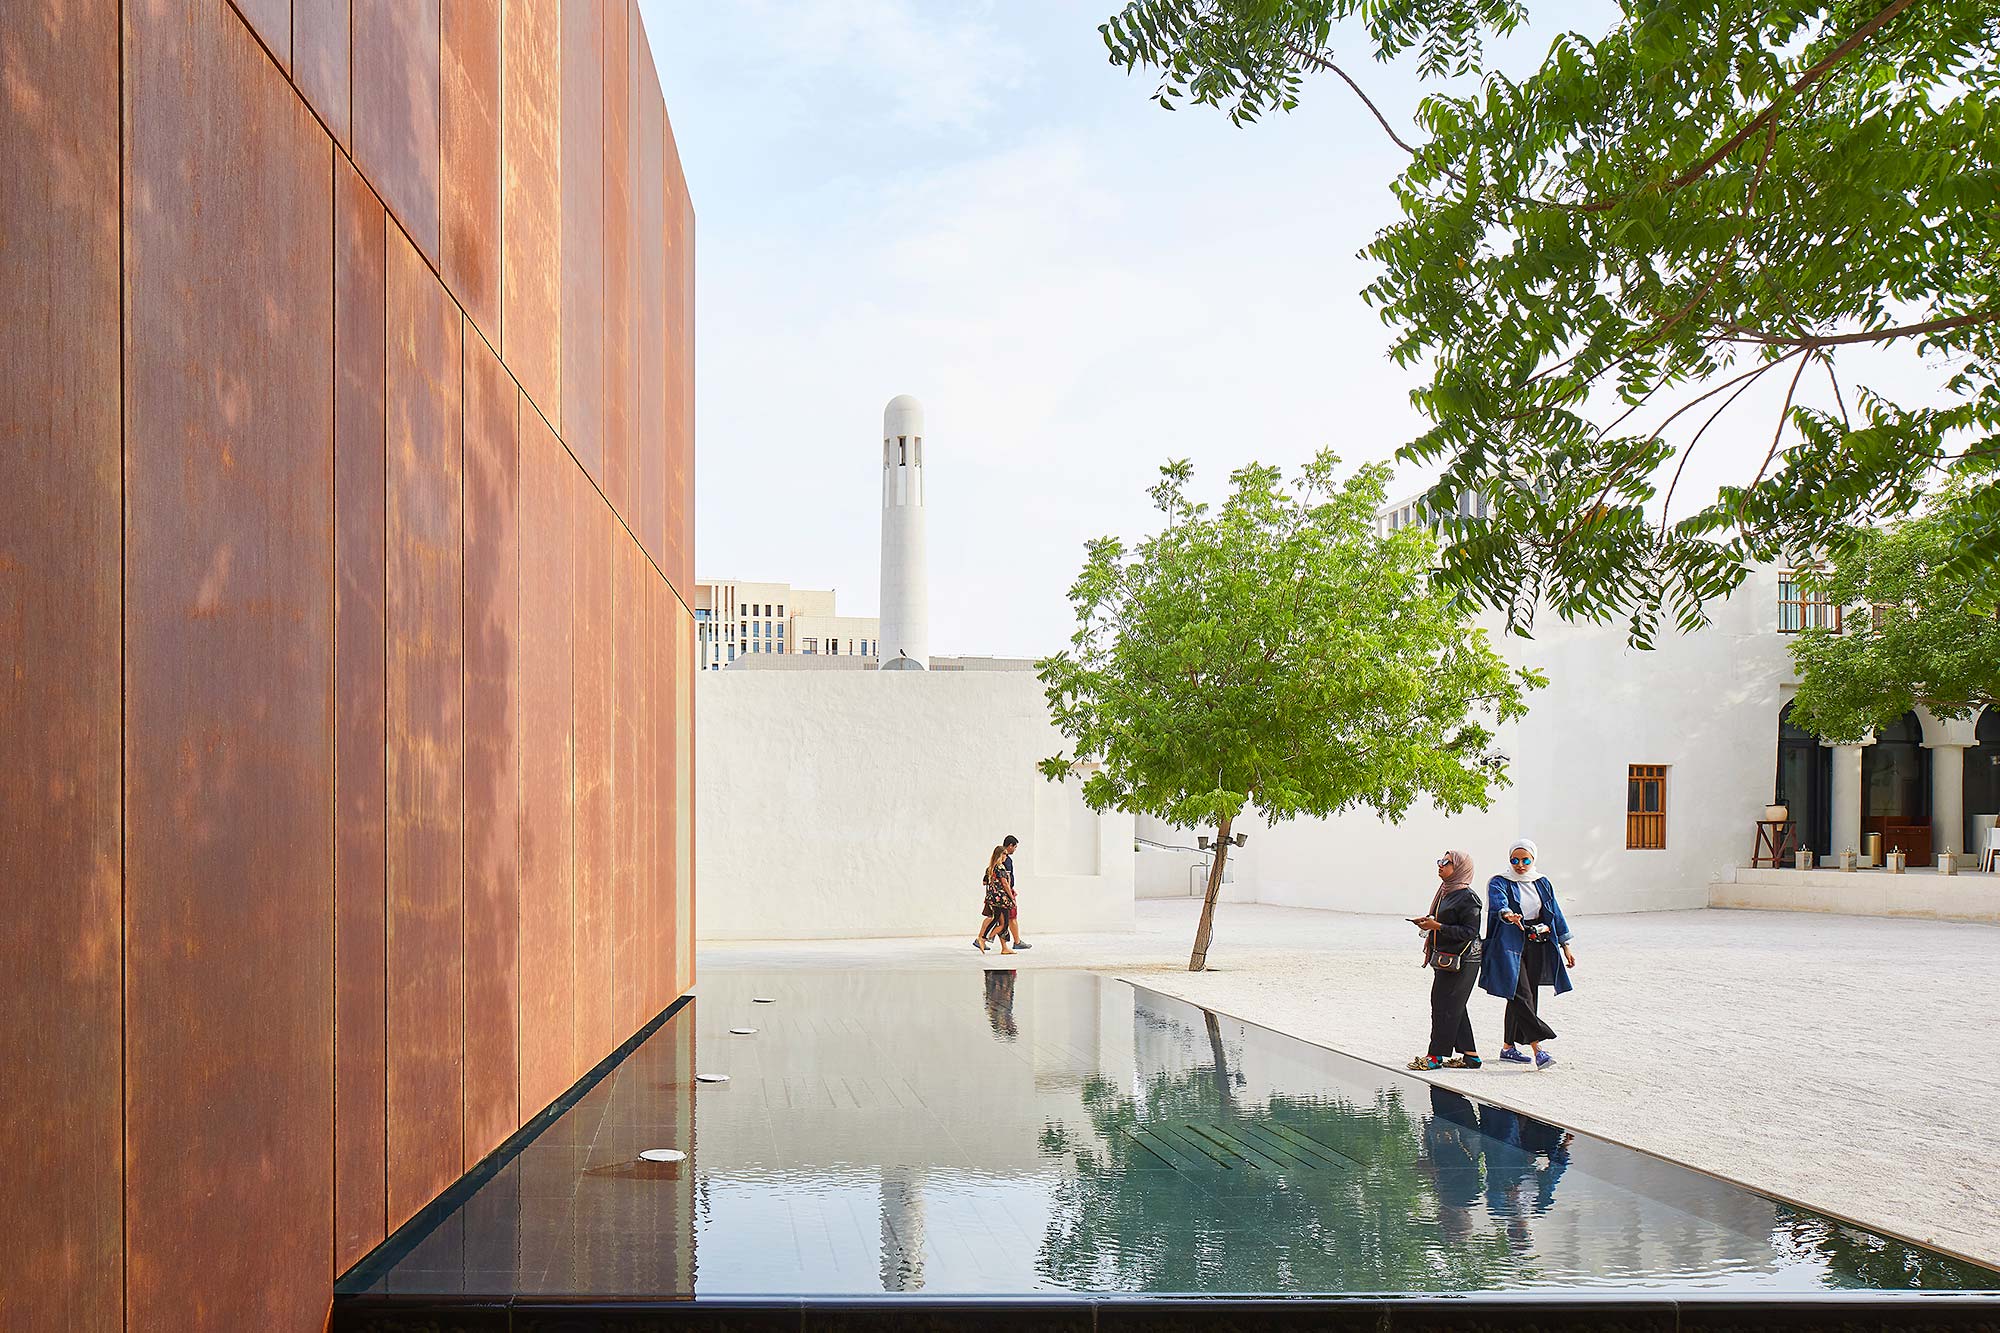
[1913, 630]
[1275, 654]
[1596, 261]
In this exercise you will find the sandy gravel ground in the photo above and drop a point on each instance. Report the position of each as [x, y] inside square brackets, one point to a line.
[1845, 1063]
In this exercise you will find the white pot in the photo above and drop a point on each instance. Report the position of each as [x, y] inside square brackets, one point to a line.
[1777, 813]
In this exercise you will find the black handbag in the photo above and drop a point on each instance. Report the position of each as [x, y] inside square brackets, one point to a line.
[1452, 962]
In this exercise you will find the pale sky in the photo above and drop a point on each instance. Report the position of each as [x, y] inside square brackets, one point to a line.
[967, 203]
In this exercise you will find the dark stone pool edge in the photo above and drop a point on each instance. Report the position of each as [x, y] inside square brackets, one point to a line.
[1640, 1313]
[405, 1238]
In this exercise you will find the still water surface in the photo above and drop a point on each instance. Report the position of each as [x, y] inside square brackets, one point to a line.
[1001, 1133]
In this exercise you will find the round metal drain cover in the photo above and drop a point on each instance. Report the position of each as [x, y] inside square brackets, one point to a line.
[711, 1078]
[743, 1032]
[663, 1155]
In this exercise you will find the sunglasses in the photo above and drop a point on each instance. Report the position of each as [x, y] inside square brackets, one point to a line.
[1519, 860]
[1444, 860]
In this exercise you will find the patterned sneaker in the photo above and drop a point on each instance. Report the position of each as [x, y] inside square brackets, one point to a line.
[1514, 1057]
[1543, 1059]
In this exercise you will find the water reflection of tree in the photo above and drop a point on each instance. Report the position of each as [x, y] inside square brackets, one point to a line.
[1123, 1220]
[1856, 1258]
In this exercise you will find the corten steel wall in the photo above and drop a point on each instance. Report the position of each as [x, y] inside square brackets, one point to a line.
[345, 652]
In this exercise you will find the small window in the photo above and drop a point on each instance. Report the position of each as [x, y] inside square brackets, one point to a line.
[1646, 807]
[902, 450]
[1800, 607]
[781, 609]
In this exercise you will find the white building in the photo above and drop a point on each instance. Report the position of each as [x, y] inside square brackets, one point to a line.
[831, 807]
[1642, 774]
[737, 620]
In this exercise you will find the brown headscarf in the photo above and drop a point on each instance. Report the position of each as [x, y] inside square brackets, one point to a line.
[1458, 875]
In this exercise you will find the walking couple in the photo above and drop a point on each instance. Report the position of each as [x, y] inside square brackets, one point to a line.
[1002, 919]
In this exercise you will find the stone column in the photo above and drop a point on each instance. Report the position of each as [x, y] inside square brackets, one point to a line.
[1947, 796]
[1948, 740]
[1845, 818]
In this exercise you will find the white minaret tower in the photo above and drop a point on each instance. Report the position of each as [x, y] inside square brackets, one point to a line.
[905, 643]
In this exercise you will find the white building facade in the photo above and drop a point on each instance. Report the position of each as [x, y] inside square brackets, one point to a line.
[1642, 774]
[737, 619]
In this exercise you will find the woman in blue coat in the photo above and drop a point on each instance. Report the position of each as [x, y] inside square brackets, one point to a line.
[1524, 931]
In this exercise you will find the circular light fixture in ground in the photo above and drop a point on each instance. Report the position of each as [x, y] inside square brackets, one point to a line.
[663, 1155]
[711, 1078]
[743, 1032]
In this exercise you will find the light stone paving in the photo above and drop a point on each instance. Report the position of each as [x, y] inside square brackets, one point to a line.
[1845, 1063]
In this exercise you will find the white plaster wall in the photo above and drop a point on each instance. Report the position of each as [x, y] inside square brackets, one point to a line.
[844, 804]
[1706, 705]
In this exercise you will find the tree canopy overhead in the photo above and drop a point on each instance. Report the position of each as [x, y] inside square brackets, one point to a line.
[1275, 654]
[1598, 261]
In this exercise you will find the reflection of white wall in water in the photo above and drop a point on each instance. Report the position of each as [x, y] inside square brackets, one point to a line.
[1625, 1213]
[841, 804]
[1018, 1048]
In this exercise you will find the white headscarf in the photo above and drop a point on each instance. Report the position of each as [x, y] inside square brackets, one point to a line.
[1522, 845]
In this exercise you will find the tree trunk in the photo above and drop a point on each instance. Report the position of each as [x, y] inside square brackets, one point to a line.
[1224, 1087]
[1199, 960]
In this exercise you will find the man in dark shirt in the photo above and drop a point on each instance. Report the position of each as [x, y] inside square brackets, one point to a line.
[1008, 844]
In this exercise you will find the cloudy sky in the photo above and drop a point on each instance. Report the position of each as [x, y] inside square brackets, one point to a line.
[965, 202]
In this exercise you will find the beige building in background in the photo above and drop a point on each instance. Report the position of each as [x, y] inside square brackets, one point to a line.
[736, 619]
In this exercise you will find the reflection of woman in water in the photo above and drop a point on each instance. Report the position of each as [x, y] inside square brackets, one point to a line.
[1451, 1159]
[1522, 1154]
[1000, 1002]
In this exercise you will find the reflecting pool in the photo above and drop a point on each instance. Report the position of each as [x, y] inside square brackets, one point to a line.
[988, 1133]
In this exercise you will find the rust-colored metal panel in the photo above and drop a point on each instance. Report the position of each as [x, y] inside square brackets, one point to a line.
[394, 75]
[548, 983]
[59, 666]
[596, 1028]
[660, 768]
[646, 901]
[271, 20]
[684, 798]
[228, 681]
[617, 389]
[426, 535]
[677, 375]
[531, 223]
[319, 61]
[649, 308]
[492, 750]
[360, 776]
[628, 660]
[469, 189]
[583, 230]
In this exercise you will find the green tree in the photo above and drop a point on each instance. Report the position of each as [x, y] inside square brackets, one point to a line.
[1598, 260]
[1276, 654]
[1915, 629]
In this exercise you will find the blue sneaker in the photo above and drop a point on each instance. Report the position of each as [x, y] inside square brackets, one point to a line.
[1543, 1059]
[1514, 1057]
